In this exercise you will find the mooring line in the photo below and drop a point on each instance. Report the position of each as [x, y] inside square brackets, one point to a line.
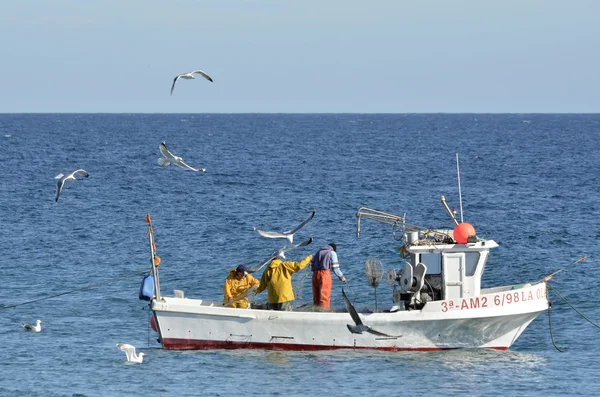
[76, 290]
[573, 307]
[551, 335]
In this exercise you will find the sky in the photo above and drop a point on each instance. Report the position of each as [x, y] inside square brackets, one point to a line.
[309, 56]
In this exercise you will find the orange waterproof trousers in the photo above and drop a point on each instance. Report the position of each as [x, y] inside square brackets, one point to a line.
[321, 286]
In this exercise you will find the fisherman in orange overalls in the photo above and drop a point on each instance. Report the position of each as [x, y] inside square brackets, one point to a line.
[324, 262]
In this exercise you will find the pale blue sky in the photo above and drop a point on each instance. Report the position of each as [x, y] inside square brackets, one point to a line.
[393, 56]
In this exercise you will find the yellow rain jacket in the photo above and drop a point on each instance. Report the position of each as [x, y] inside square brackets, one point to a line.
[277, 279]
[234, 287]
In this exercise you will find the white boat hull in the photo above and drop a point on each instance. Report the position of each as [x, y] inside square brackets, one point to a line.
[495, 319]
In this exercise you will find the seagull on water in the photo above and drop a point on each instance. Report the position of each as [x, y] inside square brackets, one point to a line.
[189, 76]
[130, 353]
[69, 177]
[289, 235]
[359, 327]
[33, 328]
[170, 158]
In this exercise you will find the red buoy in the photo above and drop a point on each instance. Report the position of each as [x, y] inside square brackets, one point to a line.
[462, 232]
[153, 324]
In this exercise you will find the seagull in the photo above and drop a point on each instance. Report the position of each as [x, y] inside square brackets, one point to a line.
[33, 328]
[359, 328]
[170, 158]
[280, 253]
[130, 353]
[289, 235]
[69, 177]
[189, 76]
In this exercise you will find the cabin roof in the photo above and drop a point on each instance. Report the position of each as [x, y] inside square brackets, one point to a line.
[430, 245]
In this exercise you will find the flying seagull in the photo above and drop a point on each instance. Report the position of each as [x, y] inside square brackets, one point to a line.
[289, 235]
[189, 76]
[170, 158]
[280, 253]
[359, 328]
[33, 328]
[130, 353]
[69, 177]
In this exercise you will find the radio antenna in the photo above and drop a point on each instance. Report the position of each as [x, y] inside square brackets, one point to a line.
[459, 192]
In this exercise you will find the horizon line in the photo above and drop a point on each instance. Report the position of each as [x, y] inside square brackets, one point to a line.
[306, 113]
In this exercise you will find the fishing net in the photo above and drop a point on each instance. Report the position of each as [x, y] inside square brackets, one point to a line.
[374, 273]
[298, 282]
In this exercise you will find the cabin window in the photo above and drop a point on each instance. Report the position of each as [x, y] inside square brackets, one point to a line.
[471, 259]
[433, 261]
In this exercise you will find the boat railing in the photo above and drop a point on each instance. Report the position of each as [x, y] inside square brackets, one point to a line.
[504, 288]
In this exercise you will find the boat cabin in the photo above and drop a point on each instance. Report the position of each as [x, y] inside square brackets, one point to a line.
[438, 268]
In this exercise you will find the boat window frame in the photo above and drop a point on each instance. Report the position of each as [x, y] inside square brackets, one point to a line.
[430, 266]
[471, 268]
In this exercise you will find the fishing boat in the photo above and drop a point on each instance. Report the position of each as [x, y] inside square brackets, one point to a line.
[437, 303]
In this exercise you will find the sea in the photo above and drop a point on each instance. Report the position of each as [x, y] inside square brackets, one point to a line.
[530, 182]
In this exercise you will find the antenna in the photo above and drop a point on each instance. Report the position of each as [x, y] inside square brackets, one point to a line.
[459, 192]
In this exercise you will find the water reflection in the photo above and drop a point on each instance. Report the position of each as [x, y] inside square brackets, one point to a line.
[277, 358]
[461, 359]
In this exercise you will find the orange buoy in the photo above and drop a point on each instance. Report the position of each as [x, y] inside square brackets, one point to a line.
[462, 232]
[153, 324]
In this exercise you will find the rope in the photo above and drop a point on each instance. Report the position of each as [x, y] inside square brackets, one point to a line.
[573, 307]
[350, 289]
[551, 335]
[75, 290]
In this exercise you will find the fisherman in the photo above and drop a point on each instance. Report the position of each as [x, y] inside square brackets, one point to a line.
[325, 261]
[237, 285]
[277, 280]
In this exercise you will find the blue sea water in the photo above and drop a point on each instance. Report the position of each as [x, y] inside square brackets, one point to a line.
[528, 181]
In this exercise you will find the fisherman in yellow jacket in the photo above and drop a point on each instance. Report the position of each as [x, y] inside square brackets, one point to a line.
[277, 279]
[237, 284]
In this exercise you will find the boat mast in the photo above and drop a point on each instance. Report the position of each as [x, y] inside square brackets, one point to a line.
[154, 259]
[459, 192]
